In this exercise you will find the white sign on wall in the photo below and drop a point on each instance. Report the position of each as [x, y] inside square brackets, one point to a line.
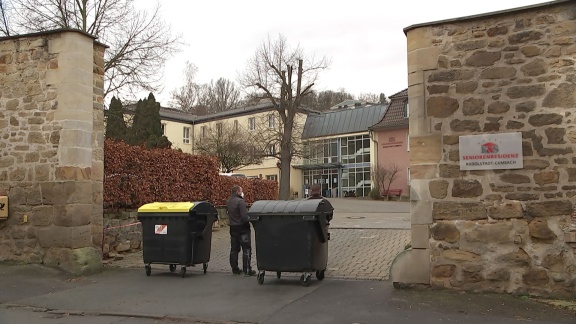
[491, 151]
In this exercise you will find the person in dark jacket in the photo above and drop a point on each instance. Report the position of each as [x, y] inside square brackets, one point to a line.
[315, 192]
[240, 236]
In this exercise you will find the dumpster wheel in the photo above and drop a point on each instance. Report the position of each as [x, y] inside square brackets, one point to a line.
[148, 269]
[320, 274]
[305, 279]
[172, 267]
[183, 272]
[204, 267]
[260, 277]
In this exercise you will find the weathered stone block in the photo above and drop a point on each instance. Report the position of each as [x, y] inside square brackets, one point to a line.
[455, 139]
[498, 30]
[498, 73]
[498, 107]
[466, 188]
[514, 178]
[458, 125]
[425, 149]
[531, 50]
[473, 106]
[546, 177]
[518, 258]
[527, 106]
[458, 211]
[450, 171]
[506, 210]
[443, 271]
[539, 120]
[72, 173]
[490, 233]
[517, 92]
[534, 68]
[437, 89]
[460, 255]
[498, 275]
[451, 75]
[549, 208]
[554, 262]
[445, 231]
[539, 230]
[466, 87]
[564, 96]
[522, 196]
[536, 277]
[571, 174]
[441, 107]
[54, 236]
[472, 273]
[438, 189]
[525, 37]
[41, 215]
[483, 58]
[470, 45]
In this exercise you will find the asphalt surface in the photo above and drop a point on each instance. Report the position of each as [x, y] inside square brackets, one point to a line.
[366, 235]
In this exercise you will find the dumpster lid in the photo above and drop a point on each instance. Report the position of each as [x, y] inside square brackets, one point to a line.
[166, 207]
[290, 206]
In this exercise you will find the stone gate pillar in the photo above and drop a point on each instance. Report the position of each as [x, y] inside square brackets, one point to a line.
[51, 136]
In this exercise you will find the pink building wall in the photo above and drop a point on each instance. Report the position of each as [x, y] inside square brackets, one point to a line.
[393, 150]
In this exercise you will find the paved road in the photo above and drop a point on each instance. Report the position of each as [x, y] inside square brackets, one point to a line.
[365, 235]
[37, 295]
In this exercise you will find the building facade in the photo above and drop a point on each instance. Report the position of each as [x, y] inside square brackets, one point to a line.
[339, 151]
[392, 144]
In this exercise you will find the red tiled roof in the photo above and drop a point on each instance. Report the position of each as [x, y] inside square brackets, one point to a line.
[395, 115]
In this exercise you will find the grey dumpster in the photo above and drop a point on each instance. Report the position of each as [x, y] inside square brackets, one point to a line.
[291, 236]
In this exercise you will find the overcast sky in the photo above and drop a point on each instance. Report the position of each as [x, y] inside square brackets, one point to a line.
[364, 39]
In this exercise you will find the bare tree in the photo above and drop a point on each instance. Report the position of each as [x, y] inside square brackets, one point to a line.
[373, 97]
[139, 42]
[284, 76]
[186, 97]
[4, 23]
[383, 176]
[230, 143]
[221, 95]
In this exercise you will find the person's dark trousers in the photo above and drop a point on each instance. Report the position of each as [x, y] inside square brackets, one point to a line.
[240, 238]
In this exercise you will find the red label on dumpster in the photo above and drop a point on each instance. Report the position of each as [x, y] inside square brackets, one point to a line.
[160, 229]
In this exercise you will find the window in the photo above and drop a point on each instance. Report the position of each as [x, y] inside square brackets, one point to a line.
[219, 129]
[272, 177]
[272, 149]
[271, 121]
[163, 128]
[235, 125]
[408, 142]
[252, 123]
[186, 137]
[203, 128]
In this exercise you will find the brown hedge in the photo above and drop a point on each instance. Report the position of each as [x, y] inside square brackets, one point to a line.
[134, 176]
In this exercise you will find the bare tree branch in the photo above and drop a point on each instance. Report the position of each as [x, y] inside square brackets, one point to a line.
[4, 23]
[140, 42]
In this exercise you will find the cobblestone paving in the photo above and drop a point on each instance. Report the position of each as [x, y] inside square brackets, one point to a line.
[352, 254]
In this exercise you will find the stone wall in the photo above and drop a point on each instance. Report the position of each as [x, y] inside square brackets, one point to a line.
[51, 139]
[122, 233]
[494, 230]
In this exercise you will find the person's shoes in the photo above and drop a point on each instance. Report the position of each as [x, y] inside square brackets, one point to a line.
[250, 273]
[236, 271]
